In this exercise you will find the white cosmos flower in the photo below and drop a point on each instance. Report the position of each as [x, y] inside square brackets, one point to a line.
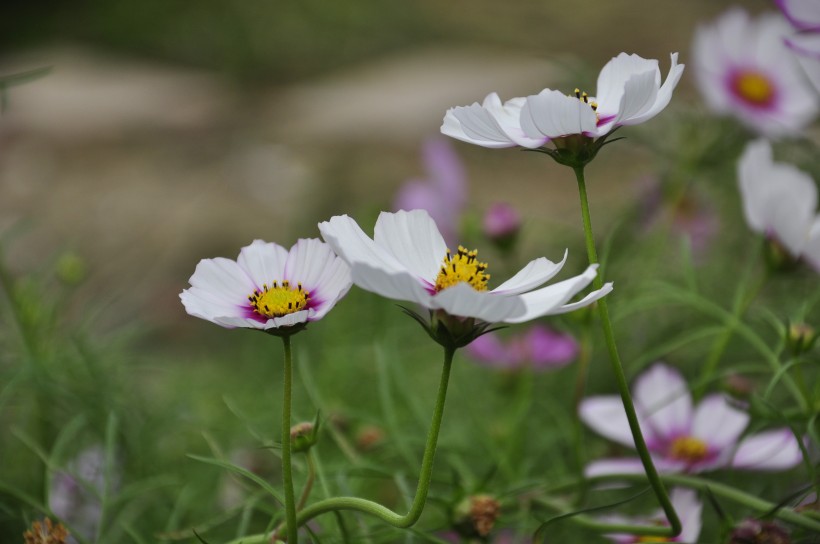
[744, 69]
[688, 508]
[407, 259]
[629, 92]
[780, 201]
[268, 287]
[490, 124]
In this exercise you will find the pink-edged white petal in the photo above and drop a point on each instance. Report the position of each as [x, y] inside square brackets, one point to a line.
[397, 285]
[350, 243]
[413, 239]
[463, 301]
[717, 423]
[554, 114]
[223, 278]
[537, 272]
[630, 465]
[508, 116]
[769, 450]
[664, 400]
[550, 299]
[689, 510]
[606, 416]
[803, 14]
[263, 261]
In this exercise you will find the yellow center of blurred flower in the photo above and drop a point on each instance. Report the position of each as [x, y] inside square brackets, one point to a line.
[688, 448]
[463, 267]
[584, 97]
[279, 300]
[653, 539]
[754, 87]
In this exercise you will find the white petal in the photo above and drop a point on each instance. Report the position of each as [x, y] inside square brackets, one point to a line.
[464, 301]
[554, 114]
[235, 321]
[399, 285]
[325, 276]
[586, 301]
[474, 125]
[717, 423]
[264, 262]
[664, 400]
[756, 191]
[803, 14]
[640, 94]
[414, 240]
[548, 300]
[207, 305]
[614, 76]
[689, 510]
[537, 272]
[224, 279]
[289, 320]
[334, 284]
[811, 251]
[770, 450]
[630, 465]
[350, 243]
[663, 96]
[508, 117]
[607, 417]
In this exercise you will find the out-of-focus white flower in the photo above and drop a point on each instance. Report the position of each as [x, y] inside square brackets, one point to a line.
[683, 438]
[490, 124]
[443, 194]
[629, 92]
[744, 69]
[688, 508]
[408, 260]
[268, 287]
[780, 202]
[804, 15]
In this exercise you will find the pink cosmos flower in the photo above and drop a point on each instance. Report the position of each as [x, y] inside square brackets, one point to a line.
[501, 222]
[744, 69]
[268, 287]
[683, 438]
[689, 510]
[539, 348]
[443, 194]
[780, 202]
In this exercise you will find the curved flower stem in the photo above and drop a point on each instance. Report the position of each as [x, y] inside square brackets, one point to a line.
[674, 528]
[287, 471]
[376, 509]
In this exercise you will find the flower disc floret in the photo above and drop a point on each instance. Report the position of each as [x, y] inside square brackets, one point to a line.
[403, 261]
[268, 287]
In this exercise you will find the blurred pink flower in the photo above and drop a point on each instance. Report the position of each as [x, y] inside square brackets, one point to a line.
[539, 347]
[689, 510]
[780, 202]
[804, 15]
[501, 222]
[744, 69]
[682, 438]
[443, 193]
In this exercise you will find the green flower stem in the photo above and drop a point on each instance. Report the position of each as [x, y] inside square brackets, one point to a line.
[376, 509]
[287, 469]
[584, 358]
[674, 528]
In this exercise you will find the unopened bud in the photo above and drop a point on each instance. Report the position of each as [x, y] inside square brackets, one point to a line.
[302, 437]
[501, 225]
[475, 516]
[800, 338]
[739, 389]
[369, 437]
[753, 531]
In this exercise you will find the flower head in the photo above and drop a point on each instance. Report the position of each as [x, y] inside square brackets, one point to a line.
[780, 202]
[744, 69]
[408, 260]
[268, 287]
[46, 532]
[539, 348]
[681, 438]
[443, 194]
[689, 510]
[501, 224]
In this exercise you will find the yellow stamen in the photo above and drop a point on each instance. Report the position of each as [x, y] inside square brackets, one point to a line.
[653, 539]
[688, 448]
[463, 267]
[46, 533]
[584, 97]
[754, 87]
[279, 300]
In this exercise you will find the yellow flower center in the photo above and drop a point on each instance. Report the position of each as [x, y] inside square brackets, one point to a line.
[653, 539]
[463, 267]
[584, 97]
[688, 448]
[279, 300]
[754, 87]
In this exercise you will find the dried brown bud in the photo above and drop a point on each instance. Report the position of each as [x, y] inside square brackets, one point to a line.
[369, 437]
[484, 510]
[46, 533]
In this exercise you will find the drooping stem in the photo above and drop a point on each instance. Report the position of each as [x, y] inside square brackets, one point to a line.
[287, 469]
[674, 528]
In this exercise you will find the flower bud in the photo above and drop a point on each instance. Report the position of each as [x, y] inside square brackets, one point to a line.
[800, 338]
[369, 437]
[475, 516]
[303, 436]
[71, 268]
[753, 531]
[501, 225]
